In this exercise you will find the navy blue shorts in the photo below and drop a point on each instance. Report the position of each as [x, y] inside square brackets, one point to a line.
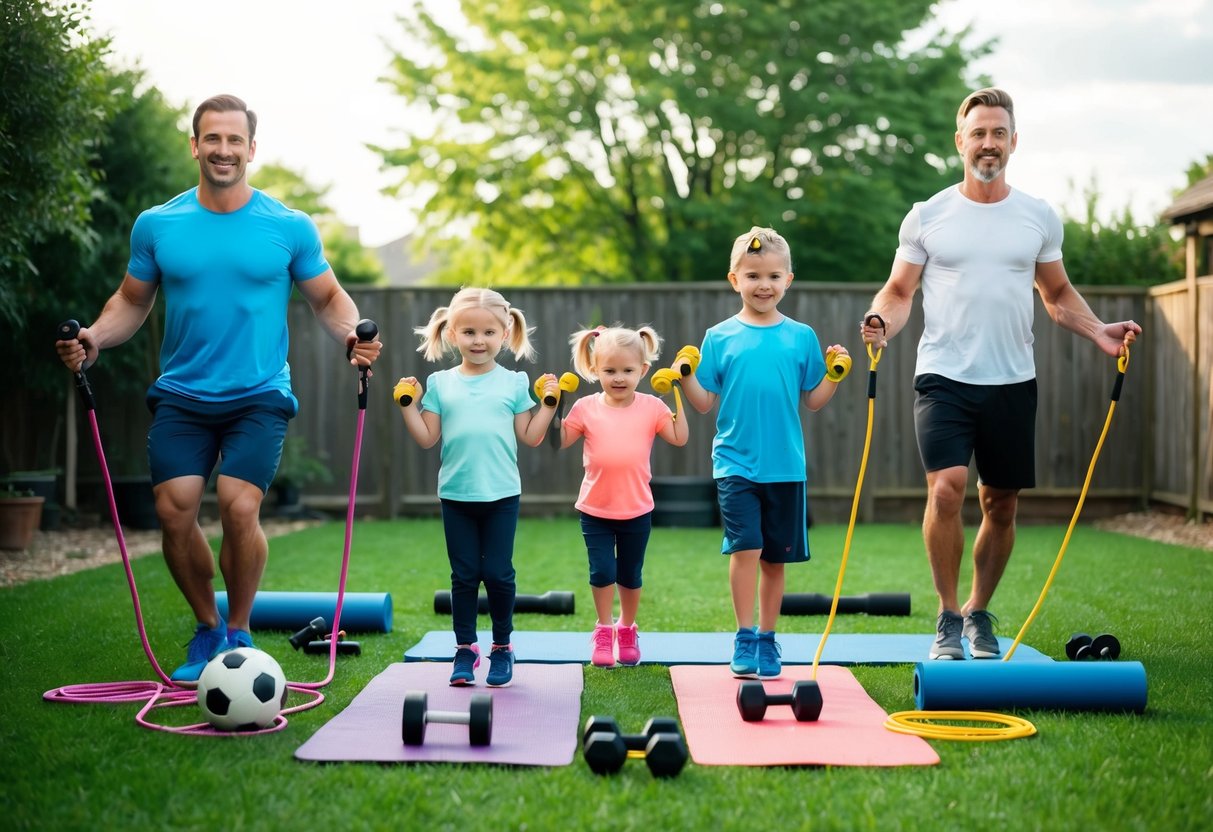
[616, 549]
[770, 516]
[188, 436]
[994, 424]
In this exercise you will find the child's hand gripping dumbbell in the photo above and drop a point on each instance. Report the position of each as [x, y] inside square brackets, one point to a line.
[406, 391]
[838, 363]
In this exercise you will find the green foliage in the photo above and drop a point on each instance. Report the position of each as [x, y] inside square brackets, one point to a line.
[1120, 251]
[1199, 170]
[351, 261]
[594, 142]
[141, 159]
[53, 108]
[290, 188]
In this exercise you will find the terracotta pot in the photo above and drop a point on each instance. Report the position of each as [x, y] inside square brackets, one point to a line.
[19, 518]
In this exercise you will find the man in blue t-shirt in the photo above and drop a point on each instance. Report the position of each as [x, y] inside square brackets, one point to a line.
[226, 257]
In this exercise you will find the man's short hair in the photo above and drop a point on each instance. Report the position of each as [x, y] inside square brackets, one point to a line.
[988, 97]
[226, 104]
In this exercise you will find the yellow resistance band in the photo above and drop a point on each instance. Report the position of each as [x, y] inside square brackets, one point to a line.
[1122, 364]
[874, 359]
[915, 722]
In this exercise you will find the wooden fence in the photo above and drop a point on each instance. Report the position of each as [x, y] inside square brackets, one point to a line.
[1158, 448]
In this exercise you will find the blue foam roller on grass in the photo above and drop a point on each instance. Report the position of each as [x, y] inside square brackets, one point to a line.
[361, 612]
[995, 685]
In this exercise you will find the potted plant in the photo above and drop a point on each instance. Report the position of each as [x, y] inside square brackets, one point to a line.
[297, 468]
[20, 514]
[41, 483]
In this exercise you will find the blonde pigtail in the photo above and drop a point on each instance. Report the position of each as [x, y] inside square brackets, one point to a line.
[520, 336]
[583, 359]
[433, 343]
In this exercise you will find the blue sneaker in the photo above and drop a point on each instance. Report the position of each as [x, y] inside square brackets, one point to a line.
[769, 651]
[239, 638]
[501, 666]
[745, 654]
[204, 646]
[467, 659]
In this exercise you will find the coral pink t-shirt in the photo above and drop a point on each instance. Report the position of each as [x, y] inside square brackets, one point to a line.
[618, 442]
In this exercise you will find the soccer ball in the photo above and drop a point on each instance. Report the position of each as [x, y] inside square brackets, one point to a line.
[242, 690]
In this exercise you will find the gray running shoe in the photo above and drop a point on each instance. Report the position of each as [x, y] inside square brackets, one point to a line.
[947, 638]
[979, 630]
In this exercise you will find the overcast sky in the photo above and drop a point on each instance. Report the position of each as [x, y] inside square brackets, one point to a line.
[1121, 90]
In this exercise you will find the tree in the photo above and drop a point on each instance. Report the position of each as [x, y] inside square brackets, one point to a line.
[1199, 170]
[140, 158]
[1120, 251]
[351, 262]
[591, 142]
[52, 111]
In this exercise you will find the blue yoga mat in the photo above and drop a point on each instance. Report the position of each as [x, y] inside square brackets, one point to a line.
[361, 612]
[705, 648]
[995, 685]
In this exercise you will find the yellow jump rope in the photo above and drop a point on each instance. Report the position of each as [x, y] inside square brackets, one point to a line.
[837, 368]
[914, 722]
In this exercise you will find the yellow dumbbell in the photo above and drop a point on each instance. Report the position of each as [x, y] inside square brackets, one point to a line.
[404, 393]
[663, 380]
[837, 365]
[691, 354]
[568, 383]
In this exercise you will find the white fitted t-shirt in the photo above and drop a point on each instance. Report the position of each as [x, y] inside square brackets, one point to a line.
[979, 266]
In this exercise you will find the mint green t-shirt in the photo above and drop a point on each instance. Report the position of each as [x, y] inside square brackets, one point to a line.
[479, 446]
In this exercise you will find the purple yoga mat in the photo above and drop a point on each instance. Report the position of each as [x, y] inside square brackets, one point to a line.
[535, 720]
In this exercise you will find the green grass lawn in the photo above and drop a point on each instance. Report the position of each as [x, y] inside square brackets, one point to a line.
[91, 766]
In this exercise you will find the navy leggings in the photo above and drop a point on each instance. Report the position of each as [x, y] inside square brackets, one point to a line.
[480, 546]
[616, 549]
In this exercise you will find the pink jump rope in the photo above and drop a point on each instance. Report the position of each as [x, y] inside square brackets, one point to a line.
[166, 693]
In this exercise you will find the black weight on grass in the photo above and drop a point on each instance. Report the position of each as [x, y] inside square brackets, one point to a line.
[416, 715]
[323, 647]
[552, 602]
[805, 699]
[1081, 647]
[660, 745]
[314, 630]
[872, 603]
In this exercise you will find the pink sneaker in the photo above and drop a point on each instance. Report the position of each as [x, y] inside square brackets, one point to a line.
[603, 640]
[629, 645]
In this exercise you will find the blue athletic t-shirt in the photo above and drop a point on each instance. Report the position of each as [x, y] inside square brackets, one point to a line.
[479, 445]
[758, 373]
[226, 279]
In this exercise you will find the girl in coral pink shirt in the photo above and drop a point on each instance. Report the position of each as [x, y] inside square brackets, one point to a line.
[615, 502]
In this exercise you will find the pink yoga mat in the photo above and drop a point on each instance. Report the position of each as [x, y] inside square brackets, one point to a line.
[849, 731]
[535, 720]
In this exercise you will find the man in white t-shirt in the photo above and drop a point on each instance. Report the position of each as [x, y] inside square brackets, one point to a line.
[977, 249]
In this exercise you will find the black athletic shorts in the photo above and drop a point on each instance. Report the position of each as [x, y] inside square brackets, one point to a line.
[992, 423]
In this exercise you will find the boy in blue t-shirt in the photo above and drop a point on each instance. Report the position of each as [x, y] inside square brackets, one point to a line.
[760, 365]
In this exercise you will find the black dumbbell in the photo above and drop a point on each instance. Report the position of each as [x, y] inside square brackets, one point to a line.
[1081, 646]
[873, 603]
[321, 647]
[551, 602]
[805, 699]
[478, 718]
[661, 746]
[314, 630]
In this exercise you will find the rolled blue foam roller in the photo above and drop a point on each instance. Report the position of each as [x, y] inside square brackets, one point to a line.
[361, 612]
